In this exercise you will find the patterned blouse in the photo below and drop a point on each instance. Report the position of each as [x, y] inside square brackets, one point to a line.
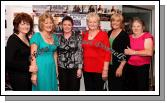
[70, 52]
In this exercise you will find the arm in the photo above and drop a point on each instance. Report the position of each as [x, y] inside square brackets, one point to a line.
[33, 66]
[148, 49]
[33, 51]
[126, 42]
[80, 56]
[119, 70]
[107, 58]
[56, 64]
[12, 49]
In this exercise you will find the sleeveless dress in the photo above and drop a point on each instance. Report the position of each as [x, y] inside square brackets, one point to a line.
[46, 75]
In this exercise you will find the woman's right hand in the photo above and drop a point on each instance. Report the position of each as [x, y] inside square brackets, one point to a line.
[33, 68]
[34, 78]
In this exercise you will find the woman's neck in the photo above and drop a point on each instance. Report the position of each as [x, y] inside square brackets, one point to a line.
[136, 35]
[22, 36]
[46, 33]
[67, 34]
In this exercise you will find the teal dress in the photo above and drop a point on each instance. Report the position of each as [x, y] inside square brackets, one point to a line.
[46, 75]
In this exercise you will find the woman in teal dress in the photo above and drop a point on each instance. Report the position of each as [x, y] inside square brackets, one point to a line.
[44, 56]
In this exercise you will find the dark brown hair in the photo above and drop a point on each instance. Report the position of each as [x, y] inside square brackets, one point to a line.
[139, 21]
[68, 18]
[25, 18]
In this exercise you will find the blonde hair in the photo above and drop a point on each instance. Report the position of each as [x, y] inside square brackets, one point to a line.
[42, 19]
[121, 18]
[93, 15]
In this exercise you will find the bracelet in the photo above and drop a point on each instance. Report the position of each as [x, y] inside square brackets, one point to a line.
[134, 53]
[33, 73]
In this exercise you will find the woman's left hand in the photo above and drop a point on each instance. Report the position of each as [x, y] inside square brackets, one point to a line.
[79, 73]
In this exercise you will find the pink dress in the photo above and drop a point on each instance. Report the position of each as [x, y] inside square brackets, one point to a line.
[138, 44]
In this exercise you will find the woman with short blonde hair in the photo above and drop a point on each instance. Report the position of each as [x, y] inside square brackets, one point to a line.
[119, 41]
[96, 54]
[93, 15]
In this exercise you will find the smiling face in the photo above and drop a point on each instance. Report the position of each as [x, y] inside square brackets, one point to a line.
[24, 27]
[137, 27]
[93, 23]
[47, 25]
[116, 23]
[67, 26]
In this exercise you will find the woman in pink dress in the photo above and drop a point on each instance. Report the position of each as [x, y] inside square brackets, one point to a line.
[141, 50]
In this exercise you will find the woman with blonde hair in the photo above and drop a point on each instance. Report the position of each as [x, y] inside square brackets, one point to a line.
[96, 54]
[119, 41]
[44, 56]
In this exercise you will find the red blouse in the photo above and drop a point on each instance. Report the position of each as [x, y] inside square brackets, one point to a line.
[95, 52]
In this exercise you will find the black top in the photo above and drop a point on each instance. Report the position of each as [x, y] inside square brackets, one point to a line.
[17, 54]
[70, 51]
[119, 44]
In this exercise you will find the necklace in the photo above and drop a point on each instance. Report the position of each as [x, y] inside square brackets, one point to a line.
[49, 37]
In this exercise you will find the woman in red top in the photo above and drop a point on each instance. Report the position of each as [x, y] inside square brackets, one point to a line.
[141, 43]
[96, 54]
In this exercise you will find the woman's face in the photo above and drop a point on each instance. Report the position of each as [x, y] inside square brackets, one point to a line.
[116, 23]
[93, 23]
[67, 26]
[48, 25]
[137, 27]
[24, 27]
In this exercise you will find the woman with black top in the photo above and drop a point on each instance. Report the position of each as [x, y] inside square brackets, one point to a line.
[18, 52]
[119, 41]
[69, 57]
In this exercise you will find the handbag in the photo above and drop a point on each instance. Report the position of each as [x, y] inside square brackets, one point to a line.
[105, 87]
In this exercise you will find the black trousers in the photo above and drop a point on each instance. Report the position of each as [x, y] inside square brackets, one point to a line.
[137, 77]
[93, 81]
[20, 81]
[68, 80]
[115, 83]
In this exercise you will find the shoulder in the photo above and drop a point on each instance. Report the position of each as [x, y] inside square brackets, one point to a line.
[12, 38]
[55, 36]
[147, 35]
[109, 33]
[36, 34]
[103, 33]
[124, 34]
[13, 41]
[130, 35]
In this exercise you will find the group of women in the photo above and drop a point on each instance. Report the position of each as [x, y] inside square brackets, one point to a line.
[47, 62]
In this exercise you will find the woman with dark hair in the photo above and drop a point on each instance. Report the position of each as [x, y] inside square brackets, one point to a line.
[18, 52]
[69, 57]
[140, 51]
